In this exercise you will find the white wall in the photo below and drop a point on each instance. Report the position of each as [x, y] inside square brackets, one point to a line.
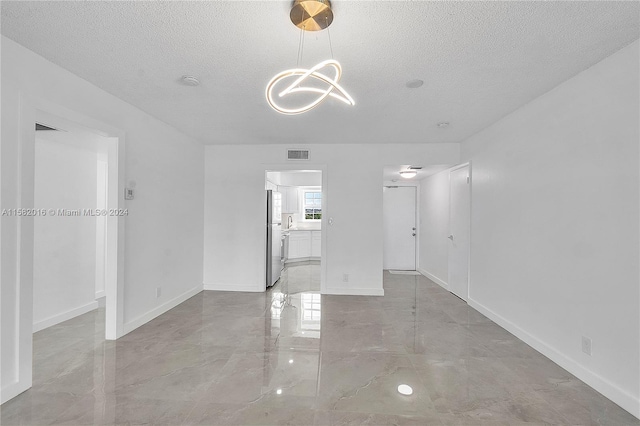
[555, 224]
[434, 227]
[300, 179]
[64, 255]
[163, 242]
[352, 196]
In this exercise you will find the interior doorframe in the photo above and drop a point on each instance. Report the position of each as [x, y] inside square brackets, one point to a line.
[460, 166]
[323, 222]
[114, 284]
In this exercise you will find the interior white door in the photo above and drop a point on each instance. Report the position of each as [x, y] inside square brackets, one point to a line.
[399, 221]
[459, 223]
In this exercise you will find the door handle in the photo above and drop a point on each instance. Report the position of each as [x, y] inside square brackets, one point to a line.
[450, 237]
[414, 234]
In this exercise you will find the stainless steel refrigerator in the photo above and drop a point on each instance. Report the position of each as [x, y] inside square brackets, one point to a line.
[274, 230]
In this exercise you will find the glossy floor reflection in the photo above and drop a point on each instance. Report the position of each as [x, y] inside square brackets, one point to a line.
[291, 356]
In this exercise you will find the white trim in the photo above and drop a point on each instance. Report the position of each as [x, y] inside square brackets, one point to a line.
[433, 278]
[232, 287]
[12, 390]
[600, 384]
[350, 291]
[159, 310]
[302, 259]
[100, 294]
[64, 316]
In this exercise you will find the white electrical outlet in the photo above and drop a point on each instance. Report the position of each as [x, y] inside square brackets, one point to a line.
[158, 291]
[345, 278]
[586, 345]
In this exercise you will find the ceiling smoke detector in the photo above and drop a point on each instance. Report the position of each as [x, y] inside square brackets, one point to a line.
[189, 80]
[414, 84]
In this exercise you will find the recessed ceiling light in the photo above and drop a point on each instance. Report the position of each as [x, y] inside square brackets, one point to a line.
[443, 124]
[189, 80]
[405, 390]
[414, 84]
[290, 361]
[279, 391]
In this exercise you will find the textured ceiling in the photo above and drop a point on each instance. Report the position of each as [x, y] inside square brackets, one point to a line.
[479, 61]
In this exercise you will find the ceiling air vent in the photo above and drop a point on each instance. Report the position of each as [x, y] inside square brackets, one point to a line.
[415, 167]
[40, 127]
[297, 154]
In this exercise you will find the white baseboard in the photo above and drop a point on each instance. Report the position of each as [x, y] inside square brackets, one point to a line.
[600, 384]
[433, 278]
[155, 312]
[100, 294]
[12, 390]
[232, 287]
[301, 259]
[64, 316]
[350, 291]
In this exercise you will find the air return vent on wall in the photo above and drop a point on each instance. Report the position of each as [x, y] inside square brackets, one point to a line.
[297, 154]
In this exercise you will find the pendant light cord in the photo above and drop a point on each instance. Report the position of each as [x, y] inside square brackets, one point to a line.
[329, 34]
[299, 48]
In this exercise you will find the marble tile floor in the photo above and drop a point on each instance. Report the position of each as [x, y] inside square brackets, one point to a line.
[293, 357]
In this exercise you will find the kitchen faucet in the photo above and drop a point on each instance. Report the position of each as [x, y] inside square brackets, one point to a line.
[289, 222]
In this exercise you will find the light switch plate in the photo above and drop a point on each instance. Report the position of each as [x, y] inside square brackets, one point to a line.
[128, 194]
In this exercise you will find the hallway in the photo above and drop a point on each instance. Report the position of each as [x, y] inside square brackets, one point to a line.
[292, 356]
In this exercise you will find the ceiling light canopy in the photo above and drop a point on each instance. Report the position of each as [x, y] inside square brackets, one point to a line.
[311, 15]
[308, 15]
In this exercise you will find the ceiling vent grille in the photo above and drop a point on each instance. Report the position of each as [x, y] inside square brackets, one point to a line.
[297, 154]
[415, 167]
[41, 127]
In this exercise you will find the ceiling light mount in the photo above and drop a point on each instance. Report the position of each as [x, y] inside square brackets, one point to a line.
[189, 80]
[311, 15]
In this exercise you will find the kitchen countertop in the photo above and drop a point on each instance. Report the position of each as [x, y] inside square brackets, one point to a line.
[305, 229]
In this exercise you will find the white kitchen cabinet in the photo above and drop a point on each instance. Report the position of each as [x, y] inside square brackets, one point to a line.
[304, 245]
[299, 245]
[316, 243]
[290, 201]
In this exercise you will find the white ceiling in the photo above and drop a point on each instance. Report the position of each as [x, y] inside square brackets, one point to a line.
[479, 61]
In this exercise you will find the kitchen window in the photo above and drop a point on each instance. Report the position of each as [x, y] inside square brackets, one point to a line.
[312, 205]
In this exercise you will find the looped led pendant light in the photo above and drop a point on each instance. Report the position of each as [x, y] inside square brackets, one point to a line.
[309, 15]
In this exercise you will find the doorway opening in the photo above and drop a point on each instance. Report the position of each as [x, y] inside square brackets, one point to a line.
[399, 215]
[34, 110]
[295, 202]
[70, 234]
[77, 240]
